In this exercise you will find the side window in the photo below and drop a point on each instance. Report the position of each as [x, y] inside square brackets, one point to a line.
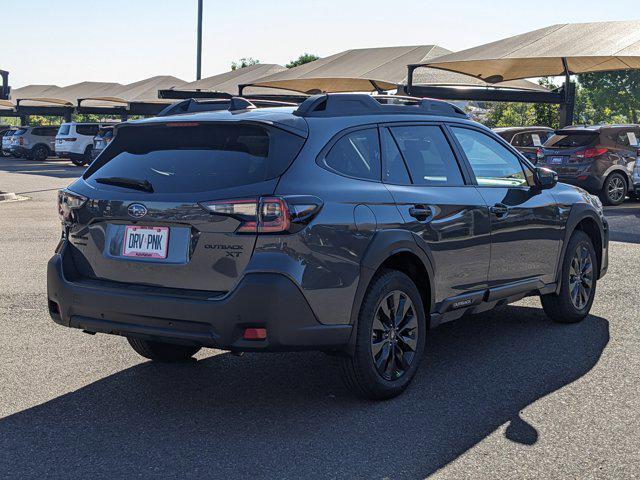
[492, 164]
[87, 129]
[394, 170]
[36, 132]
[428, 155]
[357, 154]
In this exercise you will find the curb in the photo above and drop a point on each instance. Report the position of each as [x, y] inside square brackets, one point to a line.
[7, 196]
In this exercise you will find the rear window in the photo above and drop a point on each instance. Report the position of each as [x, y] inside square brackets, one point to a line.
[20, 131]
[64, 129]
[567, 139]
[197, 158]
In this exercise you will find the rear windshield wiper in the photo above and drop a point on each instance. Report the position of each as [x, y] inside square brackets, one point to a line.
[144, 185]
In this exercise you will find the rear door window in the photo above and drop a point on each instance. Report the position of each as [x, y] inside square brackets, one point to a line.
[394, 170]
[356, 154]
[428, 155]
[197, 158]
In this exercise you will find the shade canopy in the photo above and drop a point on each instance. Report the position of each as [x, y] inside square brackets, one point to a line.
[367, 70]
[581, 47]
[95, 93]
[228, 82]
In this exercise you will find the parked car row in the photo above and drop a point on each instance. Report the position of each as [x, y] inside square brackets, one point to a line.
[601, 159]
[73, 140]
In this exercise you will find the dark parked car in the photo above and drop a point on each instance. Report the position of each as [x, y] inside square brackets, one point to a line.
[101, 140]
[527, 140]
[600, 159]
[351, 225]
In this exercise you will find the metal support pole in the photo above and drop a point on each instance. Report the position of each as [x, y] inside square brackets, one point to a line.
[199, 47]
[569, 98]
[4, 89]
[67, 116]
[410, 70]
[24, 120]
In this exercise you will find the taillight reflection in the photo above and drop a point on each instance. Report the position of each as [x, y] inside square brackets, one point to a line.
[67, 202]
[268, 214]
[591, 152]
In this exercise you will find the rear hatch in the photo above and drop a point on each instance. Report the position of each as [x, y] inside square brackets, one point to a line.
[64, 138]
[564, 151]
[168, 203]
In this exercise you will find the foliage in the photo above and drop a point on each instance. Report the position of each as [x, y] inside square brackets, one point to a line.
[302, 59]
[244, 62]
[605, 97]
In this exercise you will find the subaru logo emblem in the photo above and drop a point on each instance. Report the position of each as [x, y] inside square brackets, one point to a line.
[137, 210]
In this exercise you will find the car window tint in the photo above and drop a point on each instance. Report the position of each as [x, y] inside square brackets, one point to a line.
[87, 129]
[428, 155]
[357, 154]
[492, 164]
[523, 140]
[395, 171]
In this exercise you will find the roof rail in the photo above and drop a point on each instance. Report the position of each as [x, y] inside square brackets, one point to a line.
[343, 104]
[239, 103]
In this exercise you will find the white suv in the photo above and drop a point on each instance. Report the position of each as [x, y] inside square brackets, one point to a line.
[75, 141]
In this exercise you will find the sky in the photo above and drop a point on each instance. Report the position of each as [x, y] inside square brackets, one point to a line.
[61, 43]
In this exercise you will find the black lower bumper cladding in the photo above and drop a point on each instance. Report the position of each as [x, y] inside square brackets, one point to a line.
[261, 300]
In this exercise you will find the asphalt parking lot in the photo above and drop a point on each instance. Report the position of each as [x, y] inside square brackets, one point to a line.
[506, 394]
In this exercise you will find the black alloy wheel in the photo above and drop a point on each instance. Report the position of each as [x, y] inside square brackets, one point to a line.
[394, 335]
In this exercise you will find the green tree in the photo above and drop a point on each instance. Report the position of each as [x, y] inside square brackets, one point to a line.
[612, 95]
[244, 62]
[302, 59]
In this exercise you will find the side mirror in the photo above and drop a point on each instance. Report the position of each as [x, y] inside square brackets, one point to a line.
[545, 178]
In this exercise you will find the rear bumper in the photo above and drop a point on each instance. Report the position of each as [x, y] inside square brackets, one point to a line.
[261, 300]
[17, 150]
[592, 184]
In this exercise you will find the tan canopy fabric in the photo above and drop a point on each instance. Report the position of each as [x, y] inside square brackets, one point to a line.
[96, 93]
[228, 82]
[586, 47]
[367, 70]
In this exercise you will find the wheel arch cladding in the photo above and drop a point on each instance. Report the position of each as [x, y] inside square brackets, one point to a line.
[398, 250]
[589, 226]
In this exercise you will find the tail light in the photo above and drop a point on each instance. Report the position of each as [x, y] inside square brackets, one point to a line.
[539, 154]
[591, 152]
[267, 214]
[67, 203]
[21, 140]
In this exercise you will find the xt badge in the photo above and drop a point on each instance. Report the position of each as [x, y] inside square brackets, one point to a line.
[233, 251]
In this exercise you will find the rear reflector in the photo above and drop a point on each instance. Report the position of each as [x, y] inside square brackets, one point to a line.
[255, 333]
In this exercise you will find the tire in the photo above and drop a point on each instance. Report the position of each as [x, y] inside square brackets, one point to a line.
[614, 189]
[39, 153]
[359, 371]
[78, 160]
[561, 307]
[162, 352]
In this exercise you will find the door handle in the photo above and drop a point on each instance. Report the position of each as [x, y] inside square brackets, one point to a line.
[420, 212]
[499, 210]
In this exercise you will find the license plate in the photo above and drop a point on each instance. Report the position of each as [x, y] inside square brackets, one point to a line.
[145, 242]
[556, 160]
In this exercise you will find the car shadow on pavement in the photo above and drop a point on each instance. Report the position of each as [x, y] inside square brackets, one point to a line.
[52, 167]
[288, 416]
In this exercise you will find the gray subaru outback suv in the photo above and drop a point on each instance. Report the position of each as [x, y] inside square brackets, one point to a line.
[351, 225]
